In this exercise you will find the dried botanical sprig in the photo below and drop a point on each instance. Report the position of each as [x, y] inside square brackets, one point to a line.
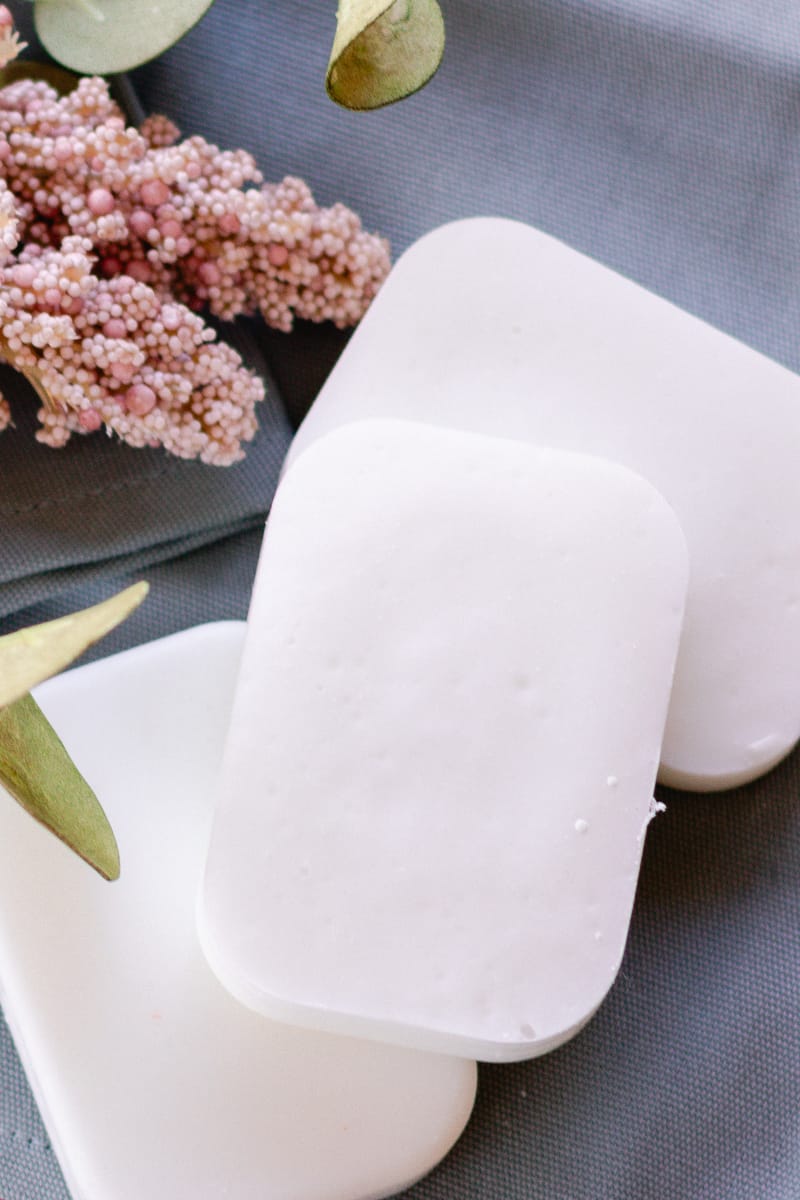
[108, 352]
[35, 767]
[37, 771]
[112, 238]
[31, 655]
[195, 222]
[384, 50]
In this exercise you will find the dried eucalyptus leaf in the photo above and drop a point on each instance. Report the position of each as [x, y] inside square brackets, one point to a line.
[31, 655]
[103, 37]
[37, 771]
[383, 51]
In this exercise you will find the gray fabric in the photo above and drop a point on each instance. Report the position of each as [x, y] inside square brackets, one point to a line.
[660, 136]
[99, 506]
[28, 1168]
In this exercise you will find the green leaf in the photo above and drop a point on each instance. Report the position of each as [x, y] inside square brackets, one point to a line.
[104, 37]
[383, 51]
[37, 771]
[31, 655]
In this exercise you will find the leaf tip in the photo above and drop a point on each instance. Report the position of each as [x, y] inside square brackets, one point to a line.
[109, 868]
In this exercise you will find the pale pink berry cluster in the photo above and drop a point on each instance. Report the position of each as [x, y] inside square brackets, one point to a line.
[195, 222]
[113, 239]
[113, 353]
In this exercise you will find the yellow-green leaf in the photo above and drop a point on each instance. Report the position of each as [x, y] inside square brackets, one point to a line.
[31, 655]
[104, 37]
[383, 51]
[37, 771]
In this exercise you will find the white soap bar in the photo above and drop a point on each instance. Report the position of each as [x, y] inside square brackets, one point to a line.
[152, 1080]
[490, 325]
[444, 740]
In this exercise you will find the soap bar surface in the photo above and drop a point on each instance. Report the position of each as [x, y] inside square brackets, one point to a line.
[444, 740]
[152, 1080]
[490, 325]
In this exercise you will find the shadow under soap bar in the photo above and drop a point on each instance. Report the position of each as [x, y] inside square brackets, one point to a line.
[490, 325]
[444, 741]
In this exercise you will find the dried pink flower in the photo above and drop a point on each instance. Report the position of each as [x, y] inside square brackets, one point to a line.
[109, 352]
[192, 220]
[125, 235]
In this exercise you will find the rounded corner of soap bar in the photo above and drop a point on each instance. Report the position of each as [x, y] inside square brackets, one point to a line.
[469, 1048]
[557, 348]
[221, 964]
[763, 758]
[510, 1050]
[468, 235]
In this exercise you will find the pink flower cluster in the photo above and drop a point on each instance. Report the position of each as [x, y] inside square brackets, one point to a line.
[112, 239]
[110, 352]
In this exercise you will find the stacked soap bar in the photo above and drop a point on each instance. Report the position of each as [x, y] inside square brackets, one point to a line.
[444, 740]
[447, 725]
[152, 1080]
[492, 326]
[468, 651]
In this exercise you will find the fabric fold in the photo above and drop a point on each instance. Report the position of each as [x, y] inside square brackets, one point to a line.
[98, 506]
